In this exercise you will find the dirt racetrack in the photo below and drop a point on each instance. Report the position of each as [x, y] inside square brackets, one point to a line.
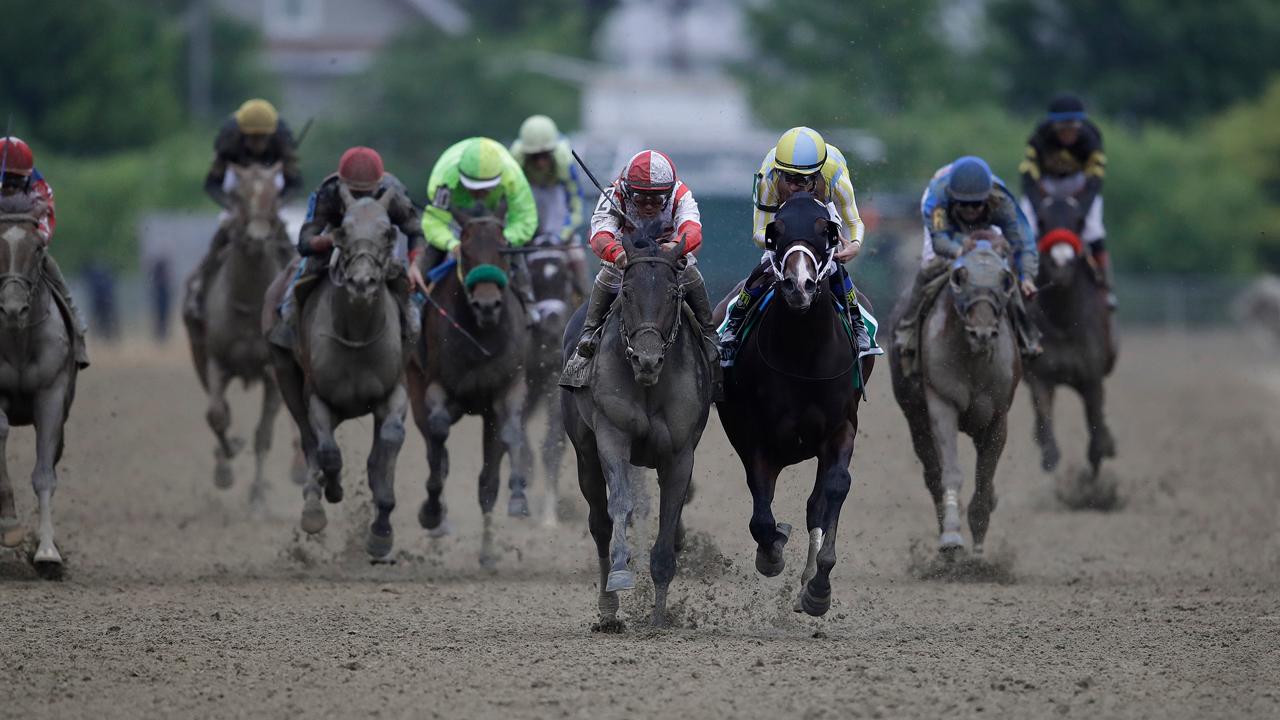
[179, 603]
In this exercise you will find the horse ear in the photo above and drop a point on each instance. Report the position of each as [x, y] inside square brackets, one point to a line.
[344, 192]
[827, 230]
[678, 251]
[387, 198]
[627, 246]
[772, 232]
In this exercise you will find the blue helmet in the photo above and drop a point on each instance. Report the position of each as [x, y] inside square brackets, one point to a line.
[970, 180]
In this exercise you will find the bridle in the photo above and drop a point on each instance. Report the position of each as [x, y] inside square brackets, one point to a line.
[30, 284]
[964, 302]
[677, 295]
[484, 272]
[824, 268]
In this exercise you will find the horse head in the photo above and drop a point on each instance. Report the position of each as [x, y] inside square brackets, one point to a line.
[364, 242]
[981, 284]
[1061, 220]
[803, 240]
[483, 264]
[649, 318]
[255, 202]
[21, 261]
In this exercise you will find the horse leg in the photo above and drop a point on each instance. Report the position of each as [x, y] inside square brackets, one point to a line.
[927, 452]
[591, 482]
[552, 459]
[1101, 443]
[434, 416]
[831, 487]
[218, 415]
[262, 441]
[614, 453]
[944, 424]
[388, 437]
[1042, 404]
[673, 484]
[989, 444]
[492, 449]
[328, 456]
[770, 535]
[11, 531]
[515, 441]
[50, 414]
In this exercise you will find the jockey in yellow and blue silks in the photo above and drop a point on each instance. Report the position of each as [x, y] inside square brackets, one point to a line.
[545, 156]
[802, 162]
[962, 197]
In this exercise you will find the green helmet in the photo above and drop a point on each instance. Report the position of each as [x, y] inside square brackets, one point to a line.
[538, 134]
[480, 167]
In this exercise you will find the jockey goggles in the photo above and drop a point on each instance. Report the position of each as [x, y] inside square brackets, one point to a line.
[801, 179]
[650, 198]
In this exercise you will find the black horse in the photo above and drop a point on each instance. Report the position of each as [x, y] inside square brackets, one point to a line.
[792, 394]
[646, 406]
[1078, 337]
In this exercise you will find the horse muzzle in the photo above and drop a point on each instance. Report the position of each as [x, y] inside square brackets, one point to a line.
[487, 309]
[14, 313]
[799, 295]
[982, 338]
[646, 366]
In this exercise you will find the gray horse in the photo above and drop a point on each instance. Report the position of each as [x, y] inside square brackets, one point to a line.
[646, 406]
[1078, 337]
[552, 283]
[349, 363]
[37, 374]
[969, 370]
[227, 345]
[477, 344]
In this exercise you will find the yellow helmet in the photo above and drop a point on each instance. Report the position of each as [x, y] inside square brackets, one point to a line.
[480, 166]
[800, 150]
[538, 134]
[257, 117]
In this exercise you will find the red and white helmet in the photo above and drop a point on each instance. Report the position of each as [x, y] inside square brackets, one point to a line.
[17, 156]
[649, 171]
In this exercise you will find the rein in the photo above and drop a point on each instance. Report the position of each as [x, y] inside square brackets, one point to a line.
[760, 351]
[669, 340]
[356, 344]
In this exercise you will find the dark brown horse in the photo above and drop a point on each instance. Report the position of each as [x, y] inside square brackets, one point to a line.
[477, 343]
[792, 394]
[226, 344]
[1080, 347]
[969, 371]
[37, 374]
[646, 406]
[349, 363]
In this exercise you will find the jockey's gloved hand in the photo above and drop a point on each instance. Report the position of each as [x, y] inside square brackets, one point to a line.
[1028, 287]
[322, 243]
[848, 251]
[416, 278]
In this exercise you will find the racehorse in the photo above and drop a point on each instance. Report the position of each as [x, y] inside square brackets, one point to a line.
[349, 362]
[227, 344]
[646, 405]
[1080, 347]
[792, 394]
[37, 374]
[969, 369]
[477, 343]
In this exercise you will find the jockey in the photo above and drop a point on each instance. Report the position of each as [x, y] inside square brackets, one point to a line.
[544, 155]
[1064, 154]
[964, 196]
[647, 189]
[802, 162]
[20, 177]
[360, 170]
[473, 173]
[253, 135]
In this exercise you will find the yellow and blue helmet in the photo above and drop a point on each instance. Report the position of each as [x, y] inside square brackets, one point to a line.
[800, 150]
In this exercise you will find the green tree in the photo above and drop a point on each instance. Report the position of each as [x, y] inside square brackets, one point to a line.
[1139, 59]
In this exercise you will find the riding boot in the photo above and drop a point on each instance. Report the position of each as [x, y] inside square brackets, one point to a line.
[695, 295]
[1102, 261]
[842, 285]
[1028, 333]
[201, 278]
[58, 284]
[752, 289]
[410, 316]
[597, 308]
[284, 333]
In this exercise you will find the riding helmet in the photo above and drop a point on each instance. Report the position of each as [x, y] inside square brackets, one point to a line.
[970, 180]
[800, 150]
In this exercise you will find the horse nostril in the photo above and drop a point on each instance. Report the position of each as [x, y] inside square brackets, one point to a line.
[809, 287]
[789, 285]
[22, 311]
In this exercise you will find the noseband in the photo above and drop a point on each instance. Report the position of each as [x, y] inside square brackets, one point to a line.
[651, 327]
[824, 269]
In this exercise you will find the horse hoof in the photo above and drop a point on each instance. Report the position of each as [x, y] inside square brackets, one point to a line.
[223, 477]
[977, 549]
[313, 519]
[1049, 460]
[333, 491]
[379, 547]
[950, 540]
[620, 580]
[609, 626]
[767, 566]
[47, 562]
[518, 506]
[813, 604]
[431, 516]
[12, 533]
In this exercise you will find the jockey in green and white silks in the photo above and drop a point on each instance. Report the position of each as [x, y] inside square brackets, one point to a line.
[802, 162]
